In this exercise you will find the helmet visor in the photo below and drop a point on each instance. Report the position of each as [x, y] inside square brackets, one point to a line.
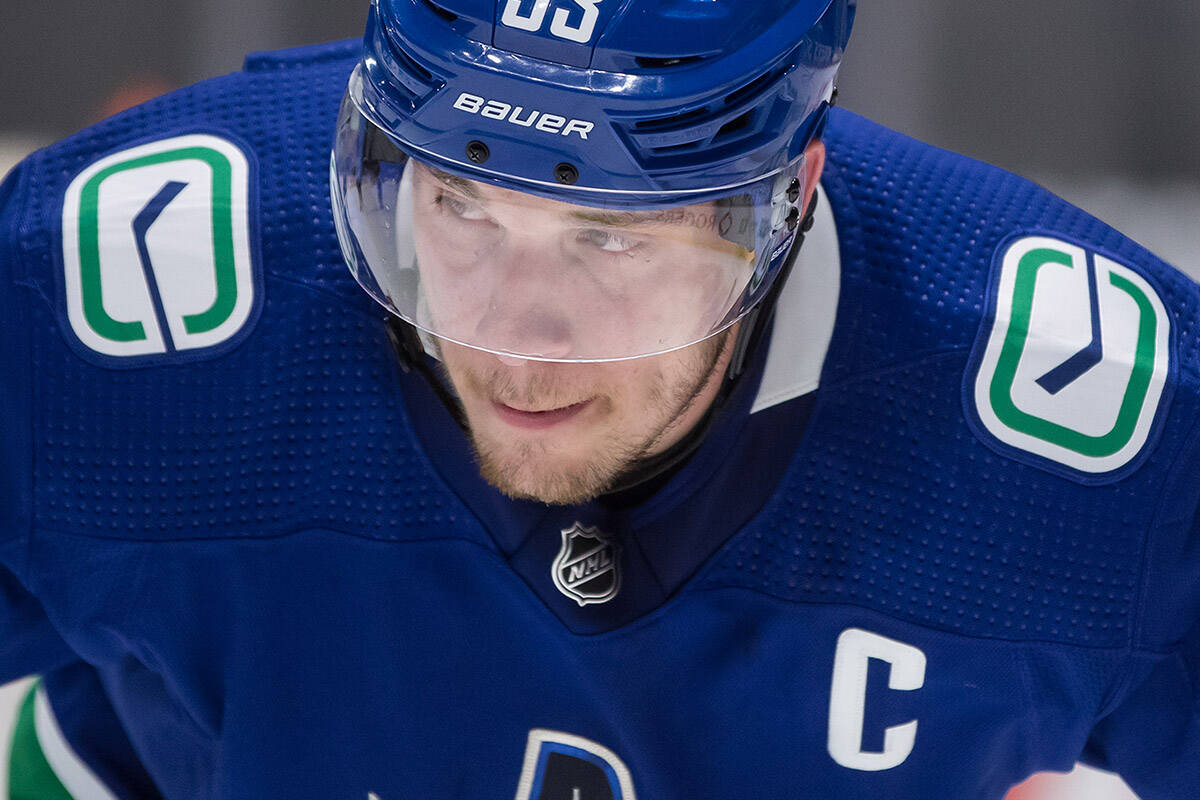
[607, 276]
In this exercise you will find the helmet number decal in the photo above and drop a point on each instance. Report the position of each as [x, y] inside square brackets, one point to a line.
[560, 24]
[581, 33]
[532, 21]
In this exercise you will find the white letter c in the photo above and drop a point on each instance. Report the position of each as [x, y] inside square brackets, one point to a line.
[848, 699]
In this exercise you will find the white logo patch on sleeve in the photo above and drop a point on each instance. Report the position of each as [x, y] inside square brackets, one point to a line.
[1076, 359]
[156, 248]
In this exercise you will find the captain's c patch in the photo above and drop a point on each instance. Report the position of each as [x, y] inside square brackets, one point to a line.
[1072, 360]
[157, 252]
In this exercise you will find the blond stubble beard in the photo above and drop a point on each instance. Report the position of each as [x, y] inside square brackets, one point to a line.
[525, 470]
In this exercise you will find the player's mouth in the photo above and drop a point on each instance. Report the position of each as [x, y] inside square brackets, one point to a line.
[538, 420]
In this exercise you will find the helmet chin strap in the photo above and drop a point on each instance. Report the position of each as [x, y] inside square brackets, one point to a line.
[410, 353]
[648, 474]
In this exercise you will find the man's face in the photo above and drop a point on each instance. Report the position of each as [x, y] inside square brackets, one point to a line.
[562, 284]
[544, 278]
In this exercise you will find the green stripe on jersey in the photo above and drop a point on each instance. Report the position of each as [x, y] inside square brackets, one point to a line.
[29, 774]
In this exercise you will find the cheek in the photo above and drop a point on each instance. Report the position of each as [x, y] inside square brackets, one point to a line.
[456, 373]
[689, 295]
[635, 394]
[455, 289]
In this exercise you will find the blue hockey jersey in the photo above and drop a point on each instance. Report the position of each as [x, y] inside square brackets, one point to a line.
[943, 535]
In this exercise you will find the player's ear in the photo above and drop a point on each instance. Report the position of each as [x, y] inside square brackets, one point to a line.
[811, 169]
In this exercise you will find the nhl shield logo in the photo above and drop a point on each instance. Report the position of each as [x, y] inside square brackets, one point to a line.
[587, 568]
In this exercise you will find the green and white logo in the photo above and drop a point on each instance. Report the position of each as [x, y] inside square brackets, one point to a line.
[1076, 359]
[156, 246]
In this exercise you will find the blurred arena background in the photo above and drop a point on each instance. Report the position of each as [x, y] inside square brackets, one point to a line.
[1099, 100]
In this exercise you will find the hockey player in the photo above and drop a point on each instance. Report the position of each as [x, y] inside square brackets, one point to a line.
[627, 493]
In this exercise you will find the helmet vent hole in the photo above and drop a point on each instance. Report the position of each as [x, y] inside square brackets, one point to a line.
[649, 62]
[671, 122]
[735, 125]
[675, 148]
[753, 87]
[419, 72]
[445, 14]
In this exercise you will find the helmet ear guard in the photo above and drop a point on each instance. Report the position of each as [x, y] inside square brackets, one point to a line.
[757, 321]
[378, 148]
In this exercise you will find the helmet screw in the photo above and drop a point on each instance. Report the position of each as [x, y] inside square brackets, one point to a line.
[793, 192]
[793, 218]
[478, 152]
[566, 173]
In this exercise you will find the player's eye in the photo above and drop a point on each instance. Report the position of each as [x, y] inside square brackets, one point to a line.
[609, 241]
[462, 207]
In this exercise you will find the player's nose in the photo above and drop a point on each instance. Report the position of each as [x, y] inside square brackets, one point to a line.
[528, 310]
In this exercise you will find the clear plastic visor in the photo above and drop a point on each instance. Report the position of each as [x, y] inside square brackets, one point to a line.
[518, 274]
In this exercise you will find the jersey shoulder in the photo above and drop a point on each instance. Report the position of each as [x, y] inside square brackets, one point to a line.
[1082, 348]
[925, 231]
[250, 147]
[1007, 419]
[199, 357]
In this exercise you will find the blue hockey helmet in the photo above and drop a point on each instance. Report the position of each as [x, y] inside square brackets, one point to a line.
[641, 148]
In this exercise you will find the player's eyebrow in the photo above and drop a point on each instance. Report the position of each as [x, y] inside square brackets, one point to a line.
[609, 219]
[460, 185]
[617, 219]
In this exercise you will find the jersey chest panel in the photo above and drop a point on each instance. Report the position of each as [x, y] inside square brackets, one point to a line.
[426, 666]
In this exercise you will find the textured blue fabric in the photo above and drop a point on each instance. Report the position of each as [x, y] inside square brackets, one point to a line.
[899, 352]
[1154, 734]
[250, 438]
[15, 492]
[84, 714]
[30, 642]
[283, 596]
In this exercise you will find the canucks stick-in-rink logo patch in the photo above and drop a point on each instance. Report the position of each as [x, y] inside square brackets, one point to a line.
[587, 568]
[1076, 358]
[562, 766]
[156, 248]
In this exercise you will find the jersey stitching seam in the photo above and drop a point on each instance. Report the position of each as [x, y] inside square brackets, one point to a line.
[853, 250]
[1021, 656]
[431, 467]
[905, 621]
[283, 534]
[529, 597]
[1139, 605]
[916, 360]
[343, 302]
[19, 246]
